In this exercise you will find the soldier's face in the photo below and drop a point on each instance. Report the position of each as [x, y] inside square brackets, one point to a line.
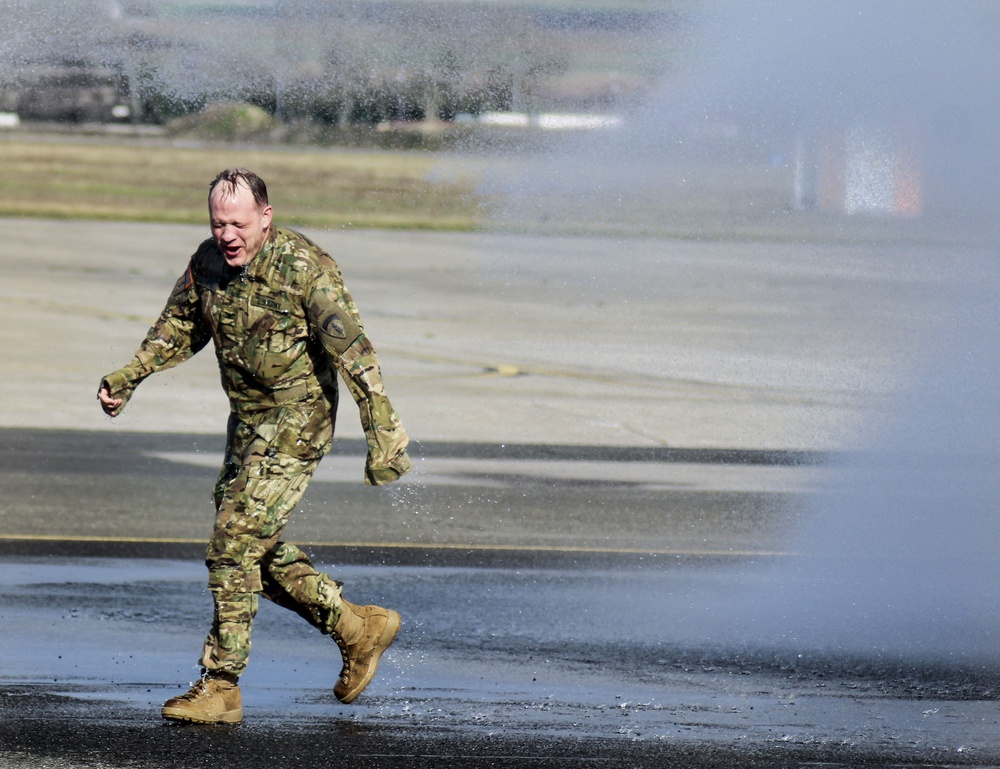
[239, 225]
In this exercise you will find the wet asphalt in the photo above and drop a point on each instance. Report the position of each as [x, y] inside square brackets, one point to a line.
[510, 656]
[573, 560]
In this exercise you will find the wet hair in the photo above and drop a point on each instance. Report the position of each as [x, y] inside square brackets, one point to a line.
[232, 178]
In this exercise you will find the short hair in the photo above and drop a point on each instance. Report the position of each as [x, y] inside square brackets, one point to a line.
[230, 180]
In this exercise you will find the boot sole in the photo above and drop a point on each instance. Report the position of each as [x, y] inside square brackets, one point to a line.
[388, 636]
[177, 714]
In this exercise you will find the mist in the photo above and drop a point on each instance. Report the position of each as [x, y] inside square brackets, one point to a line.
[862, 123]
[899, 555]
[763, 111]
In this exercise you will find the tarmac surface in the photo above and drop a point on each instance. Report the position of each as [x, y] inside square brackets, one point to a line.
[615, 443]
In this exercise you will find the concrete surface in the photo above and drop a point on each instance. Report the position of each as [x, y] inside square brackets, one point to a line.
[588, 341]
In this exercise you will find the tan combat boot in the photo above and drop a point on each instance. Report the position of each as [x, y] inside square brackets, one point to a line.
[214, 699]
[362, 633]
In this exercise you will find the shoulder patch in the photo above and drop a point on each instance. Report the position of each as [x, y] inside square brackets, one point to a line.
[333, 326]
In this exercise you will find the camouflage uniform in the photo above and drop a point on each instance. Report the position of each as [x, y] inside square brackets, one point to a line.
[282, 327]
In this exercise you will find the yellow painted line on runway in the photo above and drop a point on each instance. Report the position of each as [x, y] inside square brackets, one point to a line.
[505, 369]
[413, 546]
[98, 538]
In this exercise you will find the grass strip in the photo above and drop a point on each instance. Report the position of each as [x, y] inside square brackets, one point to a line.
[64, 179]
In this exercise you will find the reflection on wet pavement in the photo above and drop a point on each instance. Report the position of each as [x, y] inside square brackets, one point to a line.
[646, 658]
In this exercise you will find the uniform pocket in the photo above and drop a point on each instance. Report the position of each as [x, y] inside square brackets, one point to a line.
[273, 344]
[302, 431]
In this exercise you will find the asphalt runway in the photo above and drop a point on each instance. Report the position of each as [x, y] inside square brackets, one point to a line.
[141, 492]
[533, 666]
[611, 454]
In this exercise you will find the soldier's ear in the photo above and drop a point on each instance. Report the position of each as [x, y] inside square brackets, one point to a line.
[265, 215]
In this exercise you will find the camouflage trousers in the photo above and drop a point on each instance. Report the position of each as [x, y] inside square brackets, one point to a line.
[257, 490]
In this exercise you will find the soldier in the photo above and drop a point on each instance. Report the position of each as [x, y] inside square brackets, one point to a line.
[283, 324]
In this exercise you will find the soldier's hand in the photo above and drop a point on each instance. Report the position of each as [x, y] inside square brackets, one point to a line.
[109, 404]
[383, 474]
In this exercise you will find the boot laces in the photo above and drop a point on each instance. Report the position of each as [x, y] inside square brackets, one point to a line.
[200, 688]
[345, 674]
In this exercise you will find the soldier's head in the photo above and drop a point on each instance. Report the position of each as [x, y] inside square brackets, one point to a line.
[239, 214]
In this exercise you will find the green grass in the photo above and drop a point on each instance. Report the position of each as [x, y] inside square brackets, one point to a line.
[186, 7]
[63, 178]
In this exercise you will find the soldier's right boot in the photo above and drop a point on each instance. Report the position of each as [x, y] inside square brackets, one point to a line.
[362, 633]
[214, 699]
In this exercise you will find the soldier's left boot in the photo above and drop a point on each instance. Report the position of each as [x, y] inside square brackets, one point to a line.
[362, 633]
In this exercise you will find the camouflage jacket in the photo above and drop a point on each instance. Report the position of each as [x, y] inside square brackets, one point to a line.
[281, 326]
